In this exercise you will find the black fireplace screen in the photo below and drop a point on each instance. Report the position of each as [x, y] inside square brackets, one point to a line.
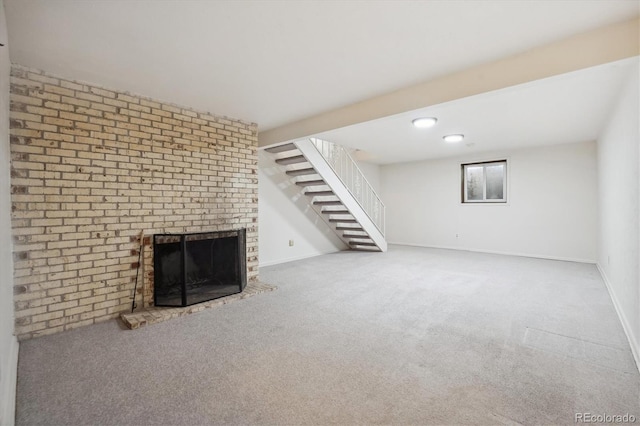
[193, 268]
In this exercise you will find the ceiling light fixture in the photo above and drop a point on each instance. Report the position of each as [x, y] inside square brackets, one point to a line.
[424, 122]
[453, 138]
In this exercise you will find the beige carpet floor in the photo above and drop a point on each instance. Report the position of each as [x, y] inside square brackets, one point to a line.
[411, 336]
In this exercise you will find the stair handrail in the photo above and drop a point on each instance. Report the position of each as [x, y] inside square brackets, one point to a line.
[347, 170]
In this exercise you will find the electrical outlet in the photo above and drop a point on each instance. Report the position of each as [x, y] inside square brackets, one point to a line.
[290, 243]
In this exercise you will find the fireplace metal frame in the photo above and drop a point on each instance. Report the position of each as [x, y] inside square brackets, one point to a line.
[241, 234]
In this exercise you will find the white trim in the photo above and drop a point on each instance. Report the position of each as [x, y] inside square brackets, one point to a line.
[9, 383]
[293, 259]
[482, 203]
[635, 348]
[504, 253]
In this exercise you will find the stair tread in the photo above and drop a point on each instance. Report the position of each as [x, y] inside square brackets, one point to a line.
[366, 248]
[357, 243]
[314, 182]
[302, 172]
[281, 148]
[291, 160]
[335, 211]
[348, 228]
[343, 220]
[328, 203]
[347, 235]
[318, 193]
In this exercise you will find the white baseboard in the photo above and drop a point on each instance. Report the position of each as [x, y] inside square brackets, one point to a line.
[635, 348]
[293, 259]
[535, 256]
[9, 382]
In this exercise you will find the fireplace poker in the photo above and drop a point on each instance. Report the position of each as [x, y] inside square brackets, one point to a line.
[135, 287]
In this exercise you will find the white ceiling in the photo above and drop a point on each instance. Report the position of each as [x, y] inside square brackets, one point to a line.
[275, 62]
[567, 108]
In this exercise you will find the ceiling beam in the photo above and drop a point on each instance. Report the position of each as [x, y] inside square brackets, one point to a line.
[596, 47]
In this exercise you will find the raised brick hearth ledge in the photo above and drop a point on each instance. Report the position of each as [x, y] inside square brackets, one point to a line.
[154, 315]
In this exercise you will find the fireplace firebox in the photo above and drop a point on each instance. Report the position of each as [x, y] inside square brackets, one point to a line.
[194, 268]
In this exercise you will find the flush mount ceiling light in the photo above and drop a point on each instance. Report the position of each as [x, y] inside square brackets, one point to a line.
[424, 122]
[453, 138]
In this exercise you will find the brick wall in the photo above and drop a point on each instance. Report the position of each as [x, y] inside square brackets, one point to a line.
[92, 169]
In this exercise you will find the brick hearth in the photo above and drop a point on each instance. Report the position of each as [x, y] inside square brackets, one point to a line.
[155, 315]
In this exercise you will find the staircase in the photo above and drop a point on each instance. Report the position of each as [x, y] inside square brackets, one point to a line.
[337, 190]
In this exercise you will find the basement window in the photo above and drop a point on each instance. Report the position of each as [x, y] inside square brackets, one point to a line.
[484, 182]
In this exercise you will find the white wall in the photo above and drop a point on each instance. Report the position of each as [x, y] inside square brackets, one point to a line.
[284, 214]
[551, 210]
[618, 199]
[8, 343]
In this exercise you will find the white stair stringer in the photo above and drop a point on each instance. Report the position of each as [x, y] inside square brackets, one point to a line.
[329, 196]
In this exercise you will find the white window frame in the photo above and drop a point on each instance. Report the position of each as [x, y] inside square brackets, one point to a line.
[484, 165]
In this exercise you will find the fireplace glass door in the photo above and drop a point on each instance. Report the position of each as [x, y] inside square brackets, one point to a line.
[193, 268]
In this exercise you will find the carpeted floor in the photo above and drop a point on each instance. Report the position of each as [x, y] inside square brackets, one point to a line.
[411, 336]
